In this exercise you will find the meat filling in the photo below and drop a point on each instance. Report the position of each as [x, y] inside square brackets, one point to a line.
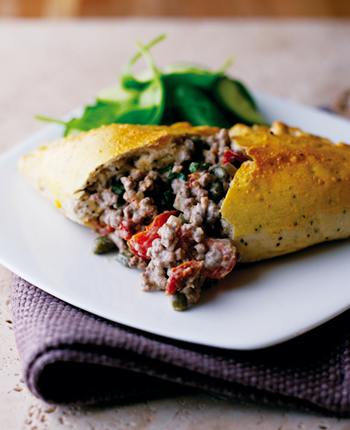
[170, 218]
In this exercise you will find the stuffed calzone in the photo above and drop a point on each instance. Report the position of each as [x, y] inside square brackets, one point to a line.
[185, 203]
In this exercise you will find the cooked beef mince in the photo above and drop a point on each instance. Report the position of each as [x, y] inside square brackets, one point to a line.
[172, 216]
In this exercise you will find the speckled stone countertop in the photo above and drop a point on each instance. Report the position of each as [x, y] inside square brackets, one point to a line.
[50, 67]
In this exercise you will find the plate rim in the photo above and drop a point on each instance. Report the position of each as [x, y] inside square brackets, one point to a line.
[33, 140]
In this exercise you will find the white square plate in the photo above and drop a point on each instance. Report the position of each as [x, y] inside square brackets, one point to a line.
[256, 306]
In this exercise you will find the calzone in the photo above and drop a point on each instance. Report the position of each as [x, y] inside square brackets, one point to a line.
[186, 203]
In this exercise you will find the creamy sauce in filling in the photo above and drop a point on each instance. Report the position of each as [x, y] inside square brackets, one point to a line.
[189, 249]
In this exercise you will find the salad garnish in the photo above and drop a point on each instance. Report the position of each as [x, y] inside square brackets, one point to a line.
[180, 92]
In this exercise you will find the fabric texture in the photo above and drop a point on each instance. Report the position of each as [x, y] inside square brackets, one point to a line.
[70, 356]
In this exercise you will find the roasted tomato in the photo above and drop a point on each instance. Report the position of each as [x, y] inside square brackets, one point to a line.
[180, 273]
[232, 156]
[184, 241]
[140, 242]
[126, 228]
[220, 258]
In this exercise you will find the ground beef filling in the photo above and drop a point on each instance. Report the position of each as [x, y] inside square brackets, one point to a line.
[179, 205]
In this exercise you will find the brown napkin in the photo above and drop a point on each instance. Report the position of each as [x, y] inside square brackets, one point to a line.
[70, 356]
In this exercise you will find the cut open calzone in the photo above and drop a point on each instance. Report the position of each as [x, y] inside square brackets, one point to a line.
[186, 202]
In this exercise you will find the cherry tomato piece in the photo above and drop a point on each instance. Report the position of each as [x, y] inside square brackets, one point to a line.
[231, 156]
[180, 273]
[126, 228]
[140, 242]
[220, 258]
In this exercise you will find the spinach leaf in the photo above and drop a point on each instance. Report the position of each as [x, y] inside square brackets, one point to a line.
[189, 103]
[94, 116]
[179, 74]
[124, 106]
[181, 92]
[127, 78]
[101, 113]
[149, 106]
[117, 94]
[235, 97]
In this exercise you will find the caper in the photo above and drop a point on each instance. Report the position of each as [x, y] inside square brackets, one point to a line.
[118, 189]
[172, 176]
[166, 169]
[179, 302]
[194, 166]
[182, 218]
[168, 195]
[102, 244]
[220, 173]
[124, 257]
[168, 200]
[216, 191]
[119, 203]
[182, 176]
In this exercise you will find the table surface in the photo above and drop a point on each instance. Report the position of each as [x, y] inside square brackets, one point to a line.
[50, 67]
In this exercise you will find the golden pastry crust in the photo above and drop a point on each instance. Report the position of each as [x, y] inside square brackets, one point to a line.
[294, 193]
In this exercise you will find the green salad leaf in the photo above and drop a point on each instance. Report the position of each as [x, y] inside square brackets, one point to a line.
[148, 107]
[127, 78]
[196, 107]
[180, 92]
[235, 97]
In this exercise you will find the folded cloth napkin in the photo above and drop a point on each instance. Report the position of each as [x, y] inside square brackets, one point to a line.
[70, 356]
